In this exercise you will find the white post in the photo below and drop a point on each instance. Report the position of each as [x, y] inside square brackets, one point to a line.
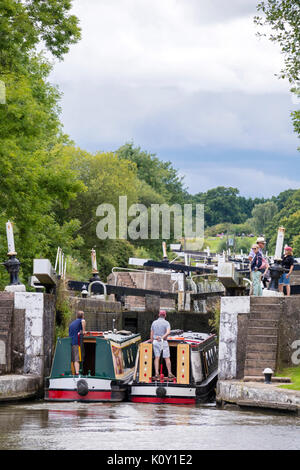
[56, 261]
[94, 261]
[164, 247]
[10, 239]
[279, 243]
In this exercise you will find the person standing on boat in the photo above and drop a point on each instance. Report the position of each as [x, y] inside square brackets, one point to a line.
[77, 326]
[160, 330]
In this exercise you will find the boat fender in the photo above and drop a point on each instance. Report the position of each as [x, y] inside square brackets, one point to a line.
[82, 387]
[161, 392]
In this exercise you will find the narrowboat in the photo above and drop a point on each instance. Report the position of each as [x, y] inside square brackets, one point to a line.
[194, 362]
[106, 368]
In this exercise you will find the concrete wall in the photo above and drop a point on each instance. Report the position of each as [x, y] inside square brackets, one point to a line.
[27, 327]
[231, 307]
[234, 321]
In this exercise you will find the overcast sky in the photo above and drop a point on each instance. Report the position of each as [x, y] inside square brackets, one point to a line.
[188, 80]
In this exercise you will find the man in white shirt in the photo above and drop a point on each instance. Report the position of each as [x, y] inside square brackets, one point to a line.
[160, 330]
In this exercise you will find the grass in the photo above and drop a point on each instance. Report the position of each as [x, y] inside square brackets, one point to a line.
[217, 244]
[294, 374]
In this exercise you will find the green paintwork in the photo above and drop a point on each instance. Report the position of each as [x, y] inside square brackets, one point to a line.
[62, 358]
[104, 367]
[104, 362]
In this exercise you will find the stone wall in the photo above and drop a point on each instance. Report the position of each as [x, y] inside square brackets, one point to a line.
[140, 322]
[99, 314]
[6, 320]
[289, 333]
[234, 323]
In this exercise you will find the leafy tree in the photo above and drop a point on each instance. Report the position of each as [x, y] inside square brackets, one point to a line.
[106, 178]
[283, 17]
[220, 205]
[281, 199]
[25, 24]
[262, 215]
[289, 218]
[33, 177]
[161, 176]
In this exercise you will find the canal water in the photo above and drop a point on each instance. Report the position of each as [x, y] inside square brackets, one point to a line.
[40, 425]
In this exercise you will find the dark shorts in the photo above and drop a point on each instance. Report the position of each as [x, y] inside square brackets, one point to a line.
[75, 353]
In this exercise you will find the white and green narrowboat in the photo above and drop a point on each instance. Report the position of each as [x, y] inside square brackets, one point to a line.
[107, 367]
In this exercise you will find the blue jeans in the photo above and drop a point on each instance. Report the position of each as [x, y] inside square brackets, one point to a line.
[284, 280]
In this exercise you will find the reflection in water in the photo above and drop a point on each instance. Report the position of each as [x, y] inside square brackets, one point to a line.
[126, 426]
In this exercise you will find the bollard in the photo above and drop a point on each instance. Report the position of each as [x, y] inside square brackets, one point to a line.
[268, 375]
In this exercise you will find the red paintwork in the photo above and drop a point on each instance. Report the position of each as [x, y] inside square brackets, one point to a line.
[73, 395]
[177, 400]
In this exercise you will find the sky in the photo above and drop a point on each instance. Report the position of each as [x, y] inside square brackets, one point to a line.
[187, 80]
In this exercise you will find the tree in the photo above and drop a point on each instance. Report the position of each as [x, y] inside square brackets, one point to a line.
[161, 176]
[282, 198]
[220, 205]
[283, 16]
[25, 24]
[34, 179]
[289, 218]
[262, 215]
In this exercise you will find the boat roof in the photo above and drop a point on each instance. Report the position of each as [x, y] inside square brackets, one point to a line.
[118, 336]
[188, 336]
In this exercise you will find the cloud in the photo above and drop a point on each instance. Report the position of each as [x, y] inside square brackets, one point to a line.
[171, 44]
[252, 182]
[173, 74]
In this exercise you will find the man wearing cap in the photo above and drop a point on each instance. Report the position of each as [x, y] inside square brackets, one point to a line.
[288, 264]
[160, 330]
[261, 244]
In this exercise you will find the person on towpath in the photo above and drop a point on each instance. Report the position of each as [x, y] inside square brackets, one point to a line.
[256, 272]
[287, 263]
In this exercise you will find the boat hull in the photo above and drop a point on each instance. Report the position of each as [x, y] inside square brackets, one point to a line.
[174, 393]
[161, 393]
[85, 390]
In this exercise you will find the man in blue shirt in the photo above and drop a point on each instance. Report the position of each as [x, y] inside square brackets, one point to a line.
[77, 326]
[160, 330]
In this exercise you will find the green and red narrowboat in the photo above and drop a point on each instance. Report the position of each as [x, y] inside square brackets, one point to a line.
[194, 360]
[107, 367]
